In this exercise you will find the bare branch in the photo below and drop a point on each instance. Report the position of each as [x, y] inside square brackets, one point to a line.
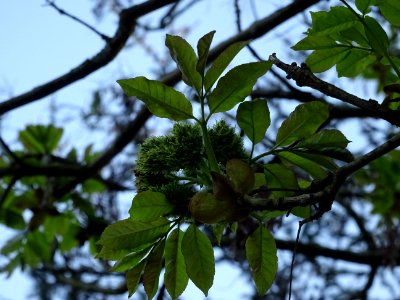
[63, 12]
[304, 77]
[127, 21]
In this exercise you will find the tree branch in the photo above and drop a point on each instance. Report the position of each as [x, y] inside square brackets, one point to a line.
[304, 77]
[326, 194]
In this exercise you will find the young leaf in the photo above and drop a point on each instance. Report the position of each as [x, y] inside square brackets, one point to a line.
[183, 54]
[130, 261]
[236, 85]
[261, 255]
[253, 117]
[149, 206]
[218, 231]
[302, 122]
[151, 274]
[129, 234]
[162, 100]
[221, 62]
[132, 278]
[322, 60]
[376, 35]
[241, 175]
[199, 258]
[175, 276]
[312, 168]
[203, 47]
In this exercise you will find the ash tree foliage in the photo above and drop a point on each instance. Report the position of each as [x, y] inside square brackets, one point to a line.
[238, 170]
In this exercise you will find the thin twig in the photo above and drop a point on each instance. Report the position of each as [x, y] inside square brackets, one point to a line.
[293, 258]
[80, 21]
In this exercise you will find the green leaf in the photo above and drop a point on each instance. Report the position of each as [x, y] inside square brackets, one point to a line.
[336, 153]
[183, 54]
[322, 60]
[130, 261]
[13, 244]
[316, 156]
[132, 278]
[236, 85]
[129, 234]
[323, 139]
[40, 138]
[376, 35]
[312, 168]
[93, 186]
[302, 212]
[354, 63]
[149, 206]
[218, 231]
[355, 34]
[363, 6]
[203, 47]
[280, 177]
[39, 245]
[390, 9]
[315, 43]
[302, 122]
[253, 117]
[262, 258]
[199, 258]
[338, 18]
[162, 100]
[221, 63]
[151, 274]
[241, 175]
[175, 276]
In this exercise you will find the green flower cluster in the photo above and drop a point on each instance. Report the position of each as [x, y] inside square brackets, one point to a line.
[176, 163]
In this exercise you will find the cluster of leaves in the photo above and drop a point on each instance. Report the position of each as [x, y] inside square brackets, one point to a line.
[353, 41]
[199, 175]
[52, 224]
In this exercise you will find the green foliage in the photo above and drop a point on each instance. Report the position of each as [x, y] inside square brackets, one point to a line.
[40, 138]
[199, 258]
[149, 206]
[183, 54]
[354, 42]
[236, 85]
[200, 174]
[261, 254]
[302, 122]
[175, 276]
[162, 100]
[253, 117]
[221, 63]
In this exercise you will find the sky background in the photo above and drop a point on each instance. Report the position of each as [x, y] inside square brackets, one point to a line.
[37, 44]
